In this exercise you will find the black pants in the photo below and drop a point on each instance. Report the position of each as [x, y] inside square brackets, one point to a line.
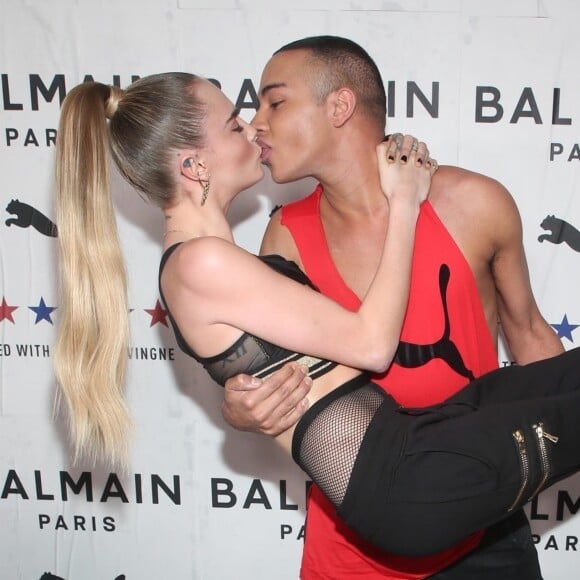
[506, 552]
[417, 481]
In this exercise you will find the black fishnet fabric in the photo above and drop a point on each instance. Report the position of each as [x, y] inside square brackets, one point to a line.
[331, 442]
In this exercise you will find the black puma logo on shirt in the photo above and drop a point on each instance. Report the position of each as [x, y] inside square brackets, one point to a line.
[411, 355]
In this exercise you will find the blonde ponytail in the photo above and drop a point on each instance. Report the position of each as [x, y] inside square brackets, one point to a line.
[93, 334]
[148, 122]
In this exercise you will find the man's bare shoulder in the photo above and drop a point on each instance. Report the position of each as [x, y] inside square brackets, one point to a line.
[457, 189]
[278, 239]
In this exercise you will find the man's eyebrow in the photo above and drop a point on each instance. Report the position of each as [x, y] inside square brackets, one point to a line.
[235, 113]
[271, 87]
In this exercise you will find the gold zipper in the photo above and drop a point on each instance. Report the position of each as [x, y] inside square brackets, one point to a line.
[542, 435]
[524, 466]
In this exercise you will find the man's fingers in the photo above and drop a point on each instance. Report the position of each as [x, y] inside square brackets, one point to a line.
[295, 397]
[269, 407]
[242, 383]
[283, 382]
[292, 417]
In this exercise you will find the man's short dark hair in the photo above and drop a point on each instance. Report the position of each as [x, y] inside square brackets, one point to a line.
[345, 64]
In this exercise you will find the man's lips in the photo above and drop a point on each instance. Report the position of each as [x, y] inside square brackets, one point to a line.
[266, 151]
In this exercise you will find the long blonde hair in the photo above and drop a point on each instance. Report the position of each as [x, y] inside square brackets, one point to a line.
[149, 121]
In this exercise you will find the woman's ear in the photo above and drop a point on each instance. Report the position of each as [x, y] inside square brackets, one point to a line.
[201, 170]
[341, 106]
[193, 167]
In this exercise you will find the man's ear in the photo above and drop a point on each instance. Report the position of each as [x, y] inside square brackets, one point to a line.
[341, 106]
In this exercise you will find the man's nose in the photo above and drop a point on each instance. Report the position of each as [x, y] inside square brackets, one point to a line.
[258, 121]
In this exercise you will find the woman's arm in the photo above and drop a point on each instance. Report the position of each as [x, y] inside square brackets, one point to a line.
[212, 283]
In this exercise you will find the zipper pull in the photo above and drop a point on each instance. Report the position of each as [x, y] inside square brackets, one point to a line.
[541, 433]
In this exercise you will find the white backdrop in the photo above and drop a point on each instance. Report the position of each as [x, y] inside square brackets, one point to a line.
[492, 86]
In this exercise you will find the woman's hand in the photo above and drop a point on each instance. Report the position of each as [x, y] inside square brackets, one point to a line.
[404, 179]
[404, 144]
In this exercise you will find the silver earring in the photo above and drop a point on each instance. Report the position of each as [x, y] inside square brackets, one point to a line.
[205, 190]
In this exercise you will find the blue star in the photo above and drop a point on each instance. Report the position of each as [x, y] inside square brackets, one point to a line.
[42, 311]
[564, 329]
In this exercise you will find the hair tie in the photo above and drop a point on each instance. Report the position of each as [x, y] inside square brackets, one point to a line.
[112, 104]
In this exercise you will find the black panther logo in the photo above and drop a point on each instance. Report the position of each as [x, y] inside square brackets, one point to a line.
[416, 355]
[560, 231]
[27, 216]
[49, 576]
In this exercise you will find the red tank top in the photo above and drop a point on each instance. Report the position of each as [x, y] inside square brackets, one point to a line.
[444, 342]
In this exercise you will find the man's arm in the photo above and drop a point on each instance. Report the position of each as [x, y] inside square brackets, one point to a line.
[273, 405]
[278, 240]
[528, 336]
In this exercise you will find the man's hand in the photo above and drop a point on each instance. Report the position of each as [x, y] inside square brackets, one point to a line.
[269, 406]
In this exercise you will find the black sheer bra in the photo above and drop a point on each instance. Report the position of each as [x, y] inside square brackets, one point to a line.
[249, 354]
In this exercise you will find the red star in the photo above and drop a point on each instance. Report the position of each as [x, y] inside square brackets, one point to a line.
[158, 314]
[6, 311]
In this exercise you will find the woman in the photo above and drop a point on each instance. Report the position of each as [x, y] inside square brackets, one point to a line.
[447, 471]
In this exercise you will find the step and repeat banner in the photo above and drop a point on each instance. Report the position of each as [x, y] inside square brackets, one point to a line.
[491, 86]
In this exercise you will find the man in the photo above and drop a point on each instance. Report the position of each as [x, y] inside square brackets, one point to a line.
[322, 112]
